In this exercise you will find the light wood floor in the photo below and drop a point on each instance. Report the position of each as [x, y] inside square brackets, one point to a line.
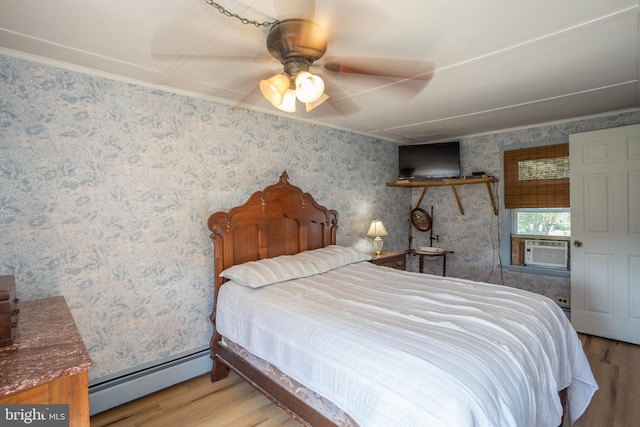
[233, 402]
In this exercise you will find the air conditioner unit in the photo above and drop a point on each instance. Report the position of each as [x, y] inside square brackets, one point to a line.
[546, 253]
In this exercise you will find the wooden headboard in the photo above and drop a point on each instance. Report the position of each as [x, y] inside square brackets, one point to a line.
[279, 220]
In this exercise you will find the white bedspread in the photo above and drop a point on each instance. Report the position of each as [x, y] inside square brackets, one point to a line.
[393, 348]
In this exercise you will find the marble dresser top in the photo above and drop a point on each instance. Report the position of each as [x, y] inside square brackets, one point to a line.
[47, 346]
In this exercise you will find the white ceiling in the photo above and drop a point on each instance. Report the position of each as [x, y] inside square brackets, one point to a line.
[498, 64]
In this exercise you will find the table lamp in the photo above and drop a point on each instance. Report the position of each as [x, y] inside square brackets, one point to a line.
[377, 229]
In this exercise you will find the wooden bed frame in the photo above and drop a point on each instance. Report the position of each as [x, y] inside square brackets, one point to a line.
[279, 220]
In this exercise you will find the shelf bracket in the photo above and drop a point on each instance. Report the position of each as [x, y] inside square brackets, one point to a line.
[455, 194]
[492, 198]
[424, 193]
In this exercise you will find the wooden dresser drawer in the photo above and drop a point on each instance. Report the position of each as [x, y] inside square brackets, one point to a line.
[8, 310]
[393, 259]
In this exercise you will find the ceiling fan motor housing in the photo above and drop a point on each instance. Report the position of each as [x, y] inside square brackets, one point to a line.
[297, 38]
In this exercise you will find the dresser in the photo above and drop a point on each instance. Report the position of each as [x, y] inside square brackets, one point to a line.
[393, 259]
[48, 362]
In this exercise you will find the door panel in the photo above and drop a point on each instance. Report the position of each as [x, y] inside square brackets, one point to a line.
[597, 204]
[634, 278]
[598, 286]
[634, 203]
[605, 216]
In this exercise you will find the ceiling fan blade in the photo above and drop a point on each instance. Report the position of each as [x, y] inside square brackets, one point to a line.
[339, 100]
[394, 68]
[250, 99]
[337, 18]
[212, 58]
[250, 82]
[291, 9]
[180, 39]
[405, 89]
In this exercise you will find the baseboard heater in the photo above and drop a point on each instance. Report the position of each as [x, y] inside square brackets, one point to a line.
[114, 392]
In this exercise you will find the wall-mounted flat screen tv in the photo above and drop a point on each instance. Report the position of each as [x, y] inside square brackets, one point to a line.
[429, 161]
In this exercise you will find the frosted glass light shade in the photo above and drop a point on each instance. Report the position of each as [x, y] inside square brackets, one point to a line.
[311, 105]
[275, 88]
[288, 102]
[308, 87]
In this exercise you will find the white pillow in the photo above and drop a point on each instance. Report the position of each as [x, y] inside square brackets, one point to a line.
[255, 274]
[331, 257]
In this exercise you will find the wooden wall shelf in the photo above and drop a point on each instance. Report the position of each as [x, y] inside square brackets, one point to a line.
[453, 183]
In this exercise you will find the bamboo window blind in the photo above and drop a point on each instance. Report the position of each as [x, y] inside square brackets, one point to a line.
[537, 177]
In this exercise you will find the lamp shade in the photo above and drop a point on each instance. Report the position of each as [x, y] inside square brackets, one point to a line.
[288, 101]
[377, 229]
[275, 88]
[308, 87]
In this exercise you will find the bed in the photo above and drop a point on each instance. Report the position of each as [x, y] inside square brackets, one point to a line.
[338, 341]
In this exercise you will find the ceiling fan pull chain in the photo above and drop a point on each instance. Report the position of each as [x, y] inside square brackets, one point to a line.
[245, 21]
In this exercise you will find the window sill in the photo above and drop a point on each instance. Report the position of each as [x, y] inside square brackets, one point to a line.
[556, 272]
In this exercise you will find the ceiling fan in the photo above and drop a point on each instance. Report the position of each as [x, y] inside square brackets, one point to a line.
[297, 43]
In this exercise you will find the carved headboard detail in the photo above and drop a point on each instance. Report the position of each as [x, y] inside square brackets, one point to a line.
[279, 220]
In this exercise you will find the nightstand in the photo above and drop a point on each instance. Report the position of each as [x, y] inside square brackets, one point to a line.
[393, 259]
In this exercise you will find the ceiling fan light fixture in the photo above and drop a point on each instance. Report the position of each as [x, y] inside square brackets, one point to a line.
[309, 87]
[311, 105]
[288, 103]
[275, 88]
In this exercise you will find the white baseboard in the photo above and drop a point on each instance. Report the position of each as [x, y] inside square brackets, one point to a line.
[138, 384]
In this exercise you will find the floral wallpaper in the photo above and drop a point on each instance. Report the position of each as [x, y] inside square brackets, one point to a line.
[105, 189]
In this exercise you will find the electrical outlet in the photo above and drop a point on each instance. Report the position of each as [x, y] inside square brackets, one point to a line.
[563, 301]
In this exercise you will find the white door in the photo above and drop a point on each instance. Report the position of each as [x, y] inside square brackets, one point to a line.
[605, 228]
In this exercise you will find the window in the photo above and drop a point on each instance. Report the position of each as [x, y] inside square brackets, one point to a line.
[541, 222]
[536, 200]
